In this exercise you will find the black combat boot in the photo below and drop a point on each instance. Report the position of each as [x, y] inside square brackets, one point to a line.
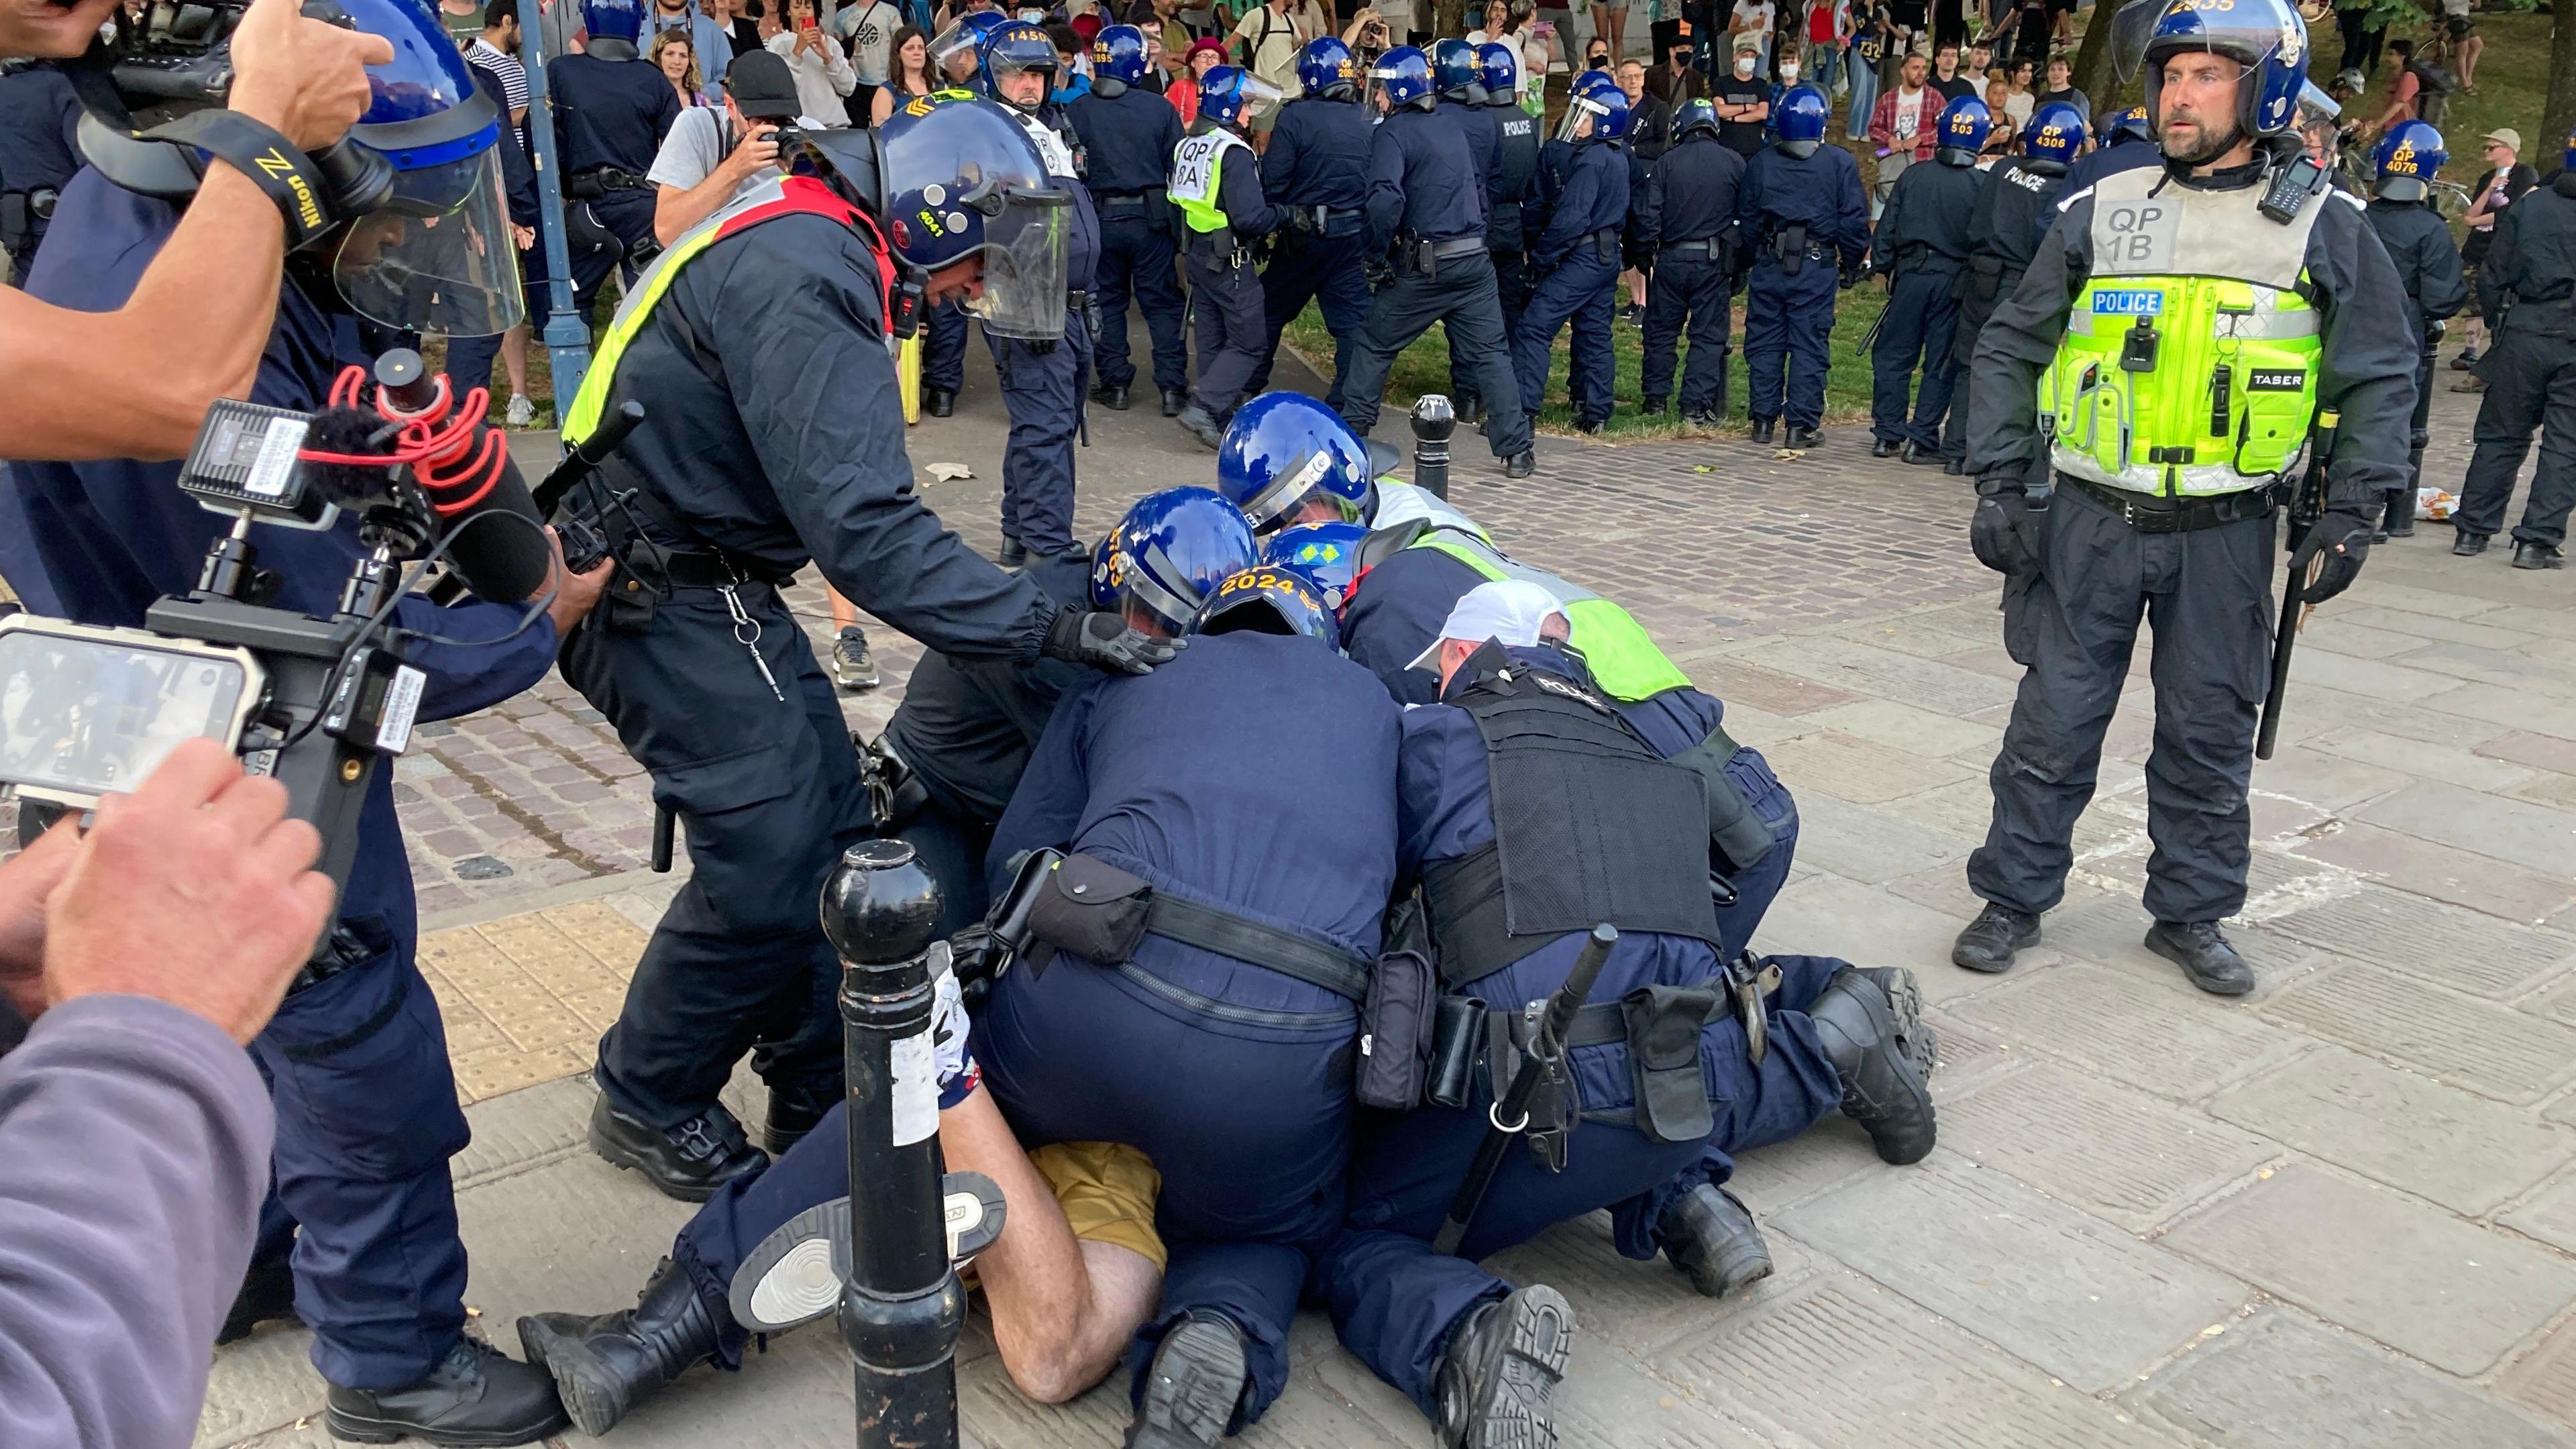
[2401, 508]
[1921, 456]
[267, 1293]
[1520, 464]
[1709, 1235]
[2468, 545]
[1112, 397]
[608, 1363]
[790, 1116]
[689, 1162]
[1014, 553]
[1762, 430]
[1704, 418]
[1991, 939]
[477, 1395]
[1886, 447]
[939, 402]
[1801, 436]
[1652, 407]
[1885, 1088]
[2204, 956]
[1174, 399]
[1198, 1377]
[2530, 555]
[1201, 424]
[1498, 1377]
[1591, 427]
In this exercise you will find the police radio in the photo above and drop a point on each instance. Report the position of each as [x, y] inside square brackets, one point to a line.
[312, 700]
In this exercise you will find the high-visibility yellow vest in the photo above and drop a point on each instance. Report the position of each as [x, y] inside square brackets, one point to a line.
[2189, 365]
[1623, 658]
[1197, 164]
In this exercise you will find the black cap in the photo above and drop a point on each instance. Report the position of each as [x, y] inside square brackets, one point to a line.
[761, 86]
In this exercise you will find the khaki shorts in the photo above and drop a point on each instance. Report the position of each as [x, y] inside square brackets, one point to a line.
[1107, 1191]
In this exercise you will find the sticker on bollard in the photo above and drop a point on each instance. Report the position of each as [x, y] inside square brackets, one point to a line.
[794, 1276]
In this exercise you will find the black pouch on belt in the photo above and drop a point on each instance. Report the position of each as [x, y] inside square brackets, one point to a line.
[1397, 1019]
[1457, 1044]
[1091, 908]
[1663, 1059]
[1984, 278]
[1789, 246]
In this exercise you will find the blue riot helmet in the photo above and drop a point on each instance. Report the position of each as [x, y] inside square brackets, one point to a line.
[415, 228]
[1269, 600]
[1118, 53]
[1963, 128]
[1326, 555]
[1231, 96]
[952, 180]
[1498, 71]
[2406, 159]
[1174, 548]
[1594, 113]
[2266, 37]
[2130, 125]
[1800, 120]
[957, 55]
[2055, 133]
[613, 19]
[1326, 68]
[1287, 459]
[1105, 571]
[2568, 160]
[1694, 118]
[1402, 77]
[1453, 71]
[1017, 48]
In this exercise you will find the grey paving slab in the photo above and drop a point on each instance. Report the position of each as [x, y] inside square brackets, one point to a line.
[2528, 835]
[1829, 916]
[1862, 771]
[1638, 1306]
[2549, 1214]
[2459, 1149]
[524, 1129]
[2512, 669]
[2404, 1272]
[2324, 779]
[2118, 1154]
[2512, 708]
[2540, 752]
[1825, 1156]
[1869, 845]
[1884, 674]
[2474, 1044]
[1905, 727]
[259, 1385]
[2479, 630]
[2061, 1289]
[2323, 709]
[2473, 952]
[2544, 1380]
[2150, 1032]
[2439, 872]
[2439, 603]
[2278, 1379]
[2451, 764]
[1849, 1364]
[2373, 677]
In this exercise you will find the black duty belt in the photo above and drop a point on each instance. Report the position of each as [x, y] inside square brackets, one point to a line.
[1461, 246]
[1707, 246]
[1129, 203]
[705, 570]
[2153, 513]
[1245, 939]
[39, 201]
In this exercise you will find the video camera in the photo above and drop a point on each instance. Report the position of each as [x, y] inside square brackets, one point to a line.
[313, 701]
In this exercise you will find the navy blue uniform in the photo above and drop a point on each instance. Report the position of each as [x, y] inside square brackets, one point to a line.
[1575, 260]
[2428, 266]
[751, 478]
[1689, 222]
[1395, 1301]
[2014, 210]
[357, 1062]
[1043, 388]
[1513, 182]
[1922, 242]
[1317, 169]
[1426, 188]
[1128, 139]
[1225, 296]
[39, 118]
[1257, 773]
[469, 358]
[1789, 302]
[611, 116]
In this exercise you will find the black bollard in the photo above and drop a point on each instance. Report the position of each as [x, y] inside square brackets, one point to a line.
[901, 1306]
[1433, 421]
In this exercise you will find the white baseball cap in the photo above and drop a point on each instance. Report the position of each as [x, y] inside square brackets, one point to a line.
[1507, 611]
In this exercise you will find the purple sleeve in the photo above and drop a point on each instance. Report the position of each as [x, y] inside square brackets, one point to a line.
[137, 1138]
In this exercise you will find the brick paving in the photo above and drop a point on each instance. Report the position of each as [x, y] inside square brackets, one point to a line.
[2339, 1212]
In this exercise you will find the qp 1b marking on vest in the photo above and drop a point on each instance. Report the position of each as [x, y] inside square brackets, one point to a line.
[2140, 236]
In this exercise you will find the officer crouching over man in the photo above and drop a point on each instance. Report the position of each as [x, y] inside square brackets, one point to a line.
[2164, 354]
[1164, 915]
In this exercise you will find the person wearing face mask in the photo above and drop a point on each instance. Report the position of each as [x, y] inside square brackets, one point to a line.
[1788, 70]
[1743, 100]
[2171, 421]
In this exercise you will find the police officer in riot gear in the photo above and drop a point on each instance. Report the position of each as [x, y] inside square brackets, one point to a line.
[612, 109]
[2428, 266]
[1689, 223]
[359, 1236]
[2175, 337]
[2532, 267]
[957, 57]
[1922, 246]
[1524, 760]
[2013, 213]
[38, 119]
[1128, 132]
[1802, 212]
[1426, 222]
[710, 509]
[1514, 183]
[1316, 172]
[1216, 182]
[1576, 258]
[1042, 378]
[2127, 143]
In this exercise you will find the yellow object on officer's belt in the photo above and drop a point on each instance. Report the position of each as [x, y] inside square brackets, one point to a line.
[1107, 1191]
[907, 368]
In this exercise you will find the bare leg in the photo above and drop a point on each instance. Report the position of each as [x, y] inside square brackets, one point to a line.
[514, 357]
[2470, 50]
[844, 613]
[1063, 1310]
[1612, 17]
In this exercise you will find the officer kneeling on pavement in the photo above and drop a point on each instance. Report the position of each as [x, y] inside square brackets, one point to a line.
[1921, 245]
[1802, 213]
[2174, 339]
[1227, 217]
[738, 480]
[1531, 809]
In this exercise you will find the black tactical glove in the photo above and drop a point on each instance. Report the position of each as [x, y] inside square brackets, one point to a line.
[1103, 641]
[1378, 270]
[2342, 539]
[2005, 530]
[1851, 276]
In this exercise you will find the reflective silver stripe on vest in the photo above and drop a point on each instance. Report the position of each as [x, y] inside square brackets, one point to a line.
[2267, 326]
[2147, 224]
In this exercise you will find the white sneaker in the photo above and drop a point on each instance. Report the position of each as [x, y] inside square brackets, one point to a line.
[522, 412]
